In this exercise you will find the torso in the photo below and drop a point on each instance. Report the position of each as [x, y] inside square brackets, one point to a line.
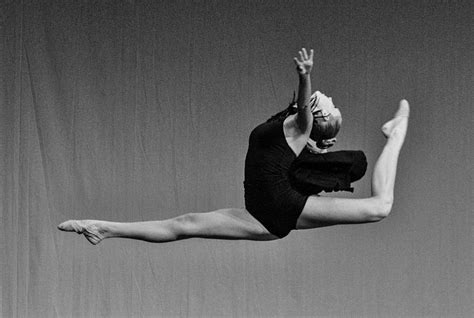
[269, 196]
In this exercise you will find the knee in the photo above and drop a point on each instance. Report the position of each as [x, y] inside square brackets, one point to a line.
[183, 225]
[379, 209]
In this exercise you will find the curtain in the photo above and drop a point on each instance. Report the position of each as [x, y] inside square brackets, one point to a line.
[141, 110]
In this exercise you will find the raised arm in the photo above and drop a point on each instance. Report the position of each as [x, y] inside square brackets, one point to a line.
[304, 65]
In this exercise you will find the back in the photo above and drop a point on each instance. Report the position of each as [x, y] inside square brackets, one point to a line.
[269, 156]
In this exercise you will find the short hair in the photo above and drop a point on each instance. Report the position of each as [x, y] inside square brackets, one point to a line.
[323, 129]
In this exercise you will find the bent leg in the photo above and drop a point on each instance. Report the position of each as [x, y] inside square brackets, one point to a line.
[324, 211]
[231, 224]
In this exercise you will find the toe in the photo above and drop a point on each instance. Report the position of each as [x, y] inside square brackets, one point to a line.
[71, 226]
[65, 226]
[403, 109]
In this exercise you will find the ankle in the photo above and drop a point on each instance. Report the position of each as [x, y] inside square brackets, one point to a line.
[107, 229]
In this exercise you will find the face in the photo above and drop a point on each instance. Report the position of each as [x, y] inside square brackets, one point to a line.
[323, 106]
[327, 118]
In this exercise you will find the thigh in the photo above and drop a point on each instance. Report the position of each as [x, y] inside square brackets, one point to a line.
[232, 224]
[326, 211]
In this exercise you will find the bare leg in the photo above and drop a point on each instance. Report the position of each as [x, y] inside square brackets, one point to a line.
[383, 178]
[232, 224]
[239, 224]
[325, 211]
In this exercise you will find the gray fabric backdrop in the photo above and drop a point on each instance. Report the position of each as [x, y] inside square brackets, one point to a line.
[141, 110]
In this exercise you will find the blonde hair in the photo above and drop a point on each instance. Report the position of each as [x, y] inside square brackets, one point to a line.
[325, 129]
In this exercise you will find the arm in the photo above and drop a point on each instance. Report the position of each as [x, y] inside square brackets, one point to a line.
[304, 65]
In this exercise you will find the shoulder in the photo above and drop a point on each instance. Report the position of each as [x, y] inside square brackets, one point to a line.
[267, 128]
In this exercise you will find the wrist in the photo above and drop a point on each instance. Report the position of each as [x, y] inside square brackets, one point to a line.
[304, 76]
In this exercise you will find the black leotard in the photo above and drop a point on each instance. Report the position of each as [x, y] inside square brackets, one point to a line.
[278, 183]
[269, 196]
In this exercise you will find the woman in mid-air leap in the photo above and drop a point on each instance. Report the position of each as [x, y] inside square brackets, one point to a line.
[286, 167]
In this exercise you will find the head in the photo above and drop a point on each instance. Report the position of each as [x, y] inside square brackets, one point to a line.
[327, 120]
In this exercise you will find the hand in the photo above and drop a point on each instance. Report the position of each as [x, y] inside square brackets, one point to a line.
[304, 64]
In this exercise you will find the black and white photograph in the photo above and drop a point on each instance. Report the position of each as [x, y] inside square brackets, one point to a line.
[236, 158]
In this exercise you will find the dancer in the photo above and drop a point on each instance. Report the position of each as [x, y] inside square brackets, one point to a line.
[287, 165]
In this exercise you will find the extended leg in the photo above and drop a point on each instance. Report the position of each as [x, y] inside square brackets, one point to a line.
[324, 211]
[231, 224]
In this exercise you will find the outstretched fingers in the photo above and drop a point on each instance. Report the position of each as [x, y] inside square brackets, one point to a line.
[303, 54]
[304, 63]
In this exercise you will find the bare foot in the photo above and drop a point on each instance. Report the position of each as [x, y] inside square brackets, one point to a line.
[92, 230]
[397, 127]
